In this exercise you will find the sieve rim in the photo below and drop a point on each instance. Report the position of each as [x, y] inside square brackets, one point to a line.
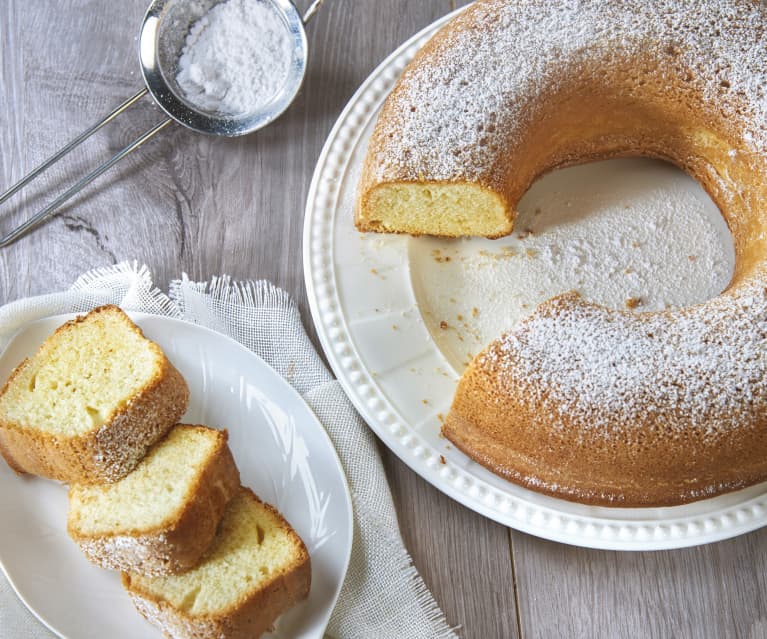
[184, 112]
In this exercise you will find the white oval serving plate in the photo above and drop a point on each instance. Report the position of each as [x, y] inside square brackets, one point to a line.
[379, 345]
[283, 453]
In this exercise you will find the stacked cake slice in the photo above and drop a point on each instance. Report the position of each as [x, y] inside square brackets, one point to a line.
[162, 517]
[90, 402]
[256, 569]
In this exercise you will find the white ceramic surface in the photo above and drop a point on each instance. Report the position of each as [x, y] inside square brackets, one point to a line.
[283, 453]
[377, 340]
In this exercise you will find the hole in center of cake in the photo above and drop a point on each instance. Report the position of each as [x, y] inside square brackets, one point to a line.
[631, 234]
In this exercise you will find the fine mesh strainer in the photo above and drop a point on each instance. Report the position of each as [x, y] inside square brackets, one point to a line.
[161, 38]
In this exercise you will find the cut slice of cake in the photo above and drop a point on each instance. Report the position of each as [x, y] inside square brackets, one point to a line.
[90, 402]
[256, 569]
[163, 516]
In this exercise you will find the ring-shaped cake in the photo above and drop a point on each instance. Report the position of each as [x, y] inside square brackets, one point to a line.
[579, 401]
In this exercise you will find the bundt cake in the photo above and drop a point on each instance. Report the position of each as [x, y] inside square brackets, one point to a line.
[578, 401]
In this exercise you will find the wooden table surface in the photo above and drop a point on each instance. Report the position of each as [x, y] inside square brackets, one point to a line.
[209, 206]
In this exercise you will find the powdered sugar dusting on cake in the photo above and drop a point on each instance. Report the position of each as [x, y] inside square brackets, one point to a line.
[485, 84]
[703, 367]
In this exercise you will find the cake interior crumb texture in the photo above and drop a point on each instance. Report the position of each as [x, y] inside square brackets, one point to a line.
[157, 489]
[81, 376]
[451, 210]
[252, 548]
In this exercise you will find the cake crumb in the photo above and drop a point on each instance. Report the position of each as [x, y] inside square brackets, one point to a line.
[633, 302]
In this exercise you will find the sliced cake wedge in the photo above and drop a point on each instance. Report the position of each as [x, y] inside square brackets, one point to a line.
[256, 569]
[90, 402]
[163, 516]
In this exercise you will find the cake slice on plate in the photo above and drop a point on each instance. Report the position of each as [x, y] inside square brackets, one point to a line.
[90, 402]
[256, 569]
[163, 516]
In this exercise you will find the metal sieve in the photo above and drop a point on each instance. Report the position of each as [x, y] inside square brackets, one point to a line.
[161, 38]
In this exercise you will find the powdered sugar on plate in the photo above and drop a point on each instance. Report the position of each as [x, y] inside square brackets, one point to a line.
[236, 57]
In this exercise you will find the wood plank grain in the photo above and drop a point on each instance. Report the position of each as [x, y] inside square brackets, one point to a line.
[708, 592]
[87, 63]
[463, 558]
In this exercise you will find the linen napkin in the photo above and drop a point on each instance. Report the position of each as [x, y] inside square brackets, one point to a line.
[383, 595]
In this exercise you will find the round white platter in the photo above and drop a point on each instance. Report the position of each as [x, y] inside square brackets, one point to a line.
[380, 330]
[281, 449]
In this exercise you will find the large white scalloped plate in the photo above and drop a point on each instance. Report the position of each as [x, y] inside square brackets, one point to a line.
[281, 449]
[377, 343]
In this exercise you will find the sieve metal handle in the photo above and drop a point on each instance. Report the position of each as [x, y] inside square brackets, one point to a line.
[314, 7]
[43, 213]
